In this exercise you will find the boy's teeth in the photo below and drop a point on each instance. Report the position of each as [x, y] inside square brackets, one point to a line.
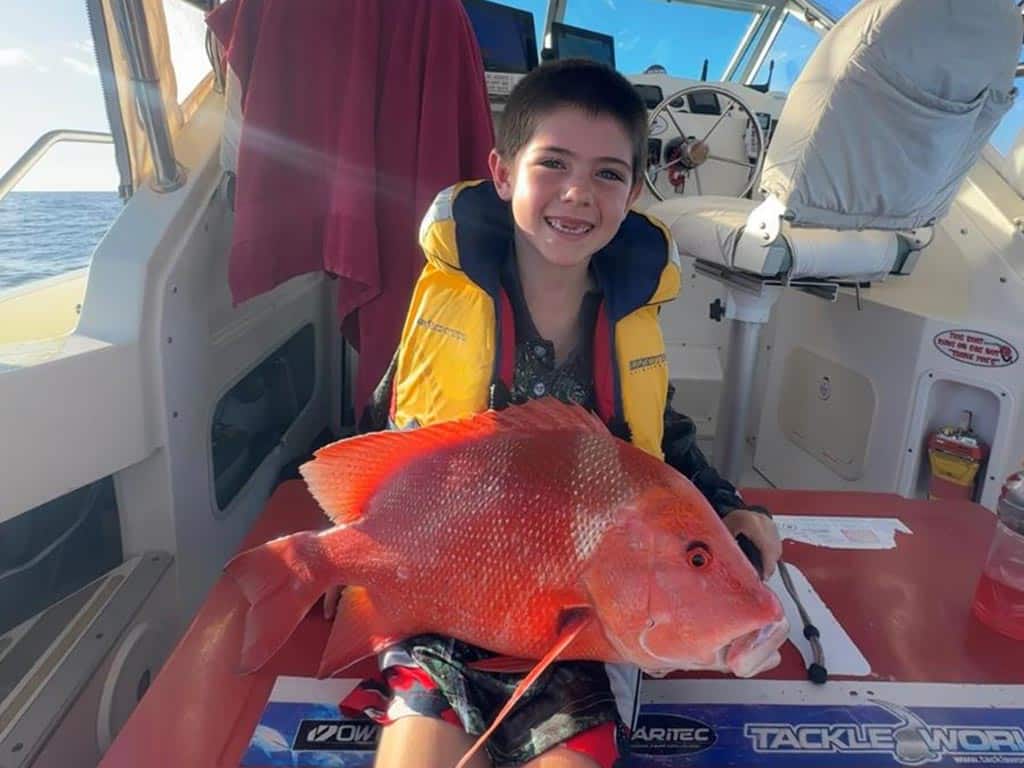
[572, 229]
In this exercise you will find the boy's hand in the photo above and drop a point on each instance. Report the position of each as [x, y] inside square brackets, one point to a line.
[761, 530]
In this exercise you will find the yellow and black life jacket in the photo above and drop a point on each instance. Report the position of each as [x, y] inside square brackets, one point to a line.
[459, 336]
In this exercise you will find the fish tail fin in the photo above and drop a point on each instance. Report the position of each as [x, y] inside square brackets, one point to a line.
[281, 580]
[574, 622]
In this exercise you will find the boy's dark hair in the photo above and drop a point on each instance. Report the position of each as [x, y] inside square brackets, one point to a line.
[586, 85]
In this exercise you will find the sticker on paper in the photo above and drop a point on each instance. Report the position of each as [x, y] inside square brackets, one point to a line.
[841, 532]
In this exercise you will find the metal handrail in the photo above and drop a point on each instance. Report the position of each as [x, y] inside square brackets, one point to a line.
[41, 146]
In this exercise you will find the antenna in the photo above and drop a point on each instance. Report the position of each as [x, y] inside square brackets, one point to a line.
[704, 69]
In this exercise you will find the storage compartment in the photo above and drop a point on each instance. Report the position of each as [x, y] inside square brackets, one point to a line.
[254, 415]
[945, 400]
[53, 550]
[827, 410]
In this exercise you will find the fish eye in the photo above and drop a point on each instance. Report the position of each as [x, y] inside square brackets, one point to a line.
[697, 555]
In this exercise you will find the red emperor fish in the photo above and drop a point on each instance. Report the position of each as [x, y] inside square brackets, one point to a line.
[532, 532]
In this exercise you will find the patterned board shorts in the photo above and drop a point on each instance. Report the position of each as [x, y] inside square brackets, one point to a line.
[572, 703]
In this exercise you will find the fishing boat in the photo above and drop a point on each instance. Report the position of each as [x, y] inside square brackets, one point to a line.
[846, 191]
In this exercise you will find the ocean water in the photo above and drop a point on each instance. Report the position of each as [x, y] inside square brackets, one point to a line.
[43, 234]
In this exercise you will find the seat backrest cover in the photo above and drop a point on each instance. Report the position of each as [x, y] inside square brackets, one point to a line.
[891, 111]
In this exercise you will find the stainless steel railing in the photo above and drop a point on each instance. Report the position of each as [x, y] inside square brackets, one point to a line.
[40, 147]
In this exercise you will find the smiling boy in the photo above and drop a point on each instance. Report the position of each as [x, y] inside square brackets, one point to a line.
[539, 282]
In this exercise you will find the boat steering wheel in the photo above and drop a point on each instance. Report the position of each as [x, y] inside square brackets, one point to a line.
[686, 154]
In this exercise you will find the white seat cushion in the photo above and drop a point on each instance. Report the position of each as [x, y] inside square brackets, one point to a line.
[745, 235]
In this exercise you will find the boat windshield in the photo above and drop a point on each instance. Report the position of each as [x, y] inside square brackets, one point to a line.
[739, 39]
[789, 51]
[837, 8]
[186, 35]
[676, 36]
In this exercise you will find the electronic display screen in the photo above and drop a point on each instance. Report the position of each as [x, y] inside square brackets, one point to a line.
[575, 43]
[505, 36]
[703, 103]
[651, 94]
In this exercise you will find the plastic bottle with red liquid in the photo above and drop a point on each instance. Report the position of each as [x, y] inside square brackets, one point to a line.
[999, 598]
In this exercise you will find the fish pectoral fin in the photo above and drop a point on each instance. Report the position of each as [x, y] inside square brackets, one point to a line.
[359, 629]
[508, 665]
[278, 599]
[572, 622]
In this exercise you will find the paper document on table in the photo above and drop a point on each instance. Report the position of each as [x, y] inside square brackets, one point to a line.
[842, 657]
[841, 532]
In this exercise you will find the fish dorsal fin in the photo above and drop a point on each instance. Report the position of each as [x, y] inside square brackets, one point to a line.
[575, 621]
[344, 475]
[548, 414]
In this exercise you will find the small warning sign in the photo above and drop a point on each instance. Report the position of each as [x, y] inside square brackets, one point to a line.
[976, 348]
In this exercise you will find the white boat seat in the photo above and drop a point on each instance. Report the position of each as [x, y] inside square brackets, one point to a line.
[876, 135]
[743, 235]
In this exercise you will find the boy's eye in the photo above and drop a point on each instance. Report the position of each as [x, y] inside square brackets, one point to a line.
[550, 162]
[607, 173]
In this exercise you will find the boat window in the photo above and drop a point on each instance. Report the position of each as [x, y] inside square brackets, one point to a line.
[1006, 146]
[761, 31]
[254, 415]
[790, 51]
[1006, 133]
[53, 218]
[675, 35]
[56, 549]
[186, 30]
[837, 8]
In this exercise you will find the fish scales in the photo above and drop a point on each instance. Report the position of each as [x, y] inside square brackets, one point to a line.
[532, 532]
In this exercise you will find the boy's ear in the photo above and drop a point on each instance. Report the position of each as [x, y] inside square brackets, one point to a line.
[501, 174]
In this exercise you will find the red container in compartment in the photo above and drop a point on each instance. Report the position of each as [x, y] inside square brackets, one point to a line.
[955, 455]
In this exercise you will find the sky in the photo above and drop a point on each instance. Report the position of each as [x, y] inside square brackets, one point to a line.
[49, 80]
[48, 76]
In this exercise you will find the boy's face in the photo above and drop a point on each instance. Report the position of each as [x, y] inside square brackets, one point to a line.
[570, 186]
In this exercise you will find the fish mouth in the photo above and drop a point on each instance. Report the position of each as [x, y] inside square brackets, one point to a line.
[744, 656]
[756, 651]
